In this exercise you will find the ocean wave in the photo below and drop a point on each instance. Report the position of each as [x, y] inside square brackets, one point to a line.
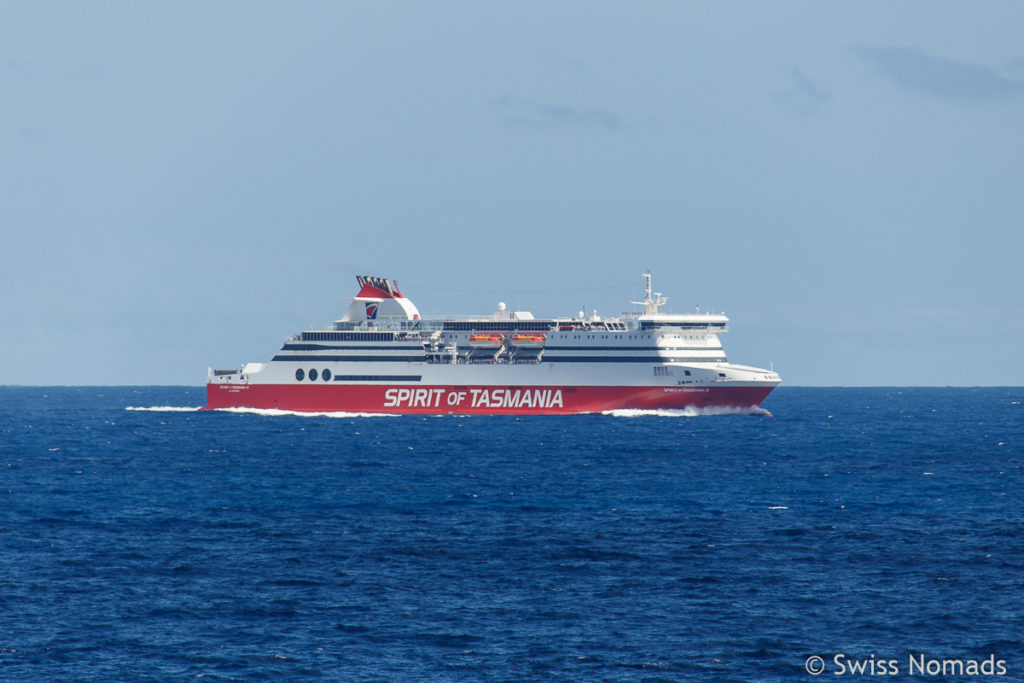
[690, 411]
[164, 409]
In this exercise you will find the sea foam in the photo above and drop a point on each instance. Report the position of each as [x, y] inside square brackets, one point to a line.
[275, 412]
[164, 409]
[689, 411]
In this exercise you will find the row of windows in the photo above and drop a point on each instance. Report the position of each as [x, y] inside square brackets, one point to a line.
[647, 335]
[665, 371]
[300, 374]
[647, 325]
[498, 325]
[348, 336]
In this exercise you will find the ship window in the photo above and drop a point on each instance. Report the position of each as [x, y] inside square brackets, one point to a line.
[326, 374]
[312, 374]
[300, 374]
[687, 372]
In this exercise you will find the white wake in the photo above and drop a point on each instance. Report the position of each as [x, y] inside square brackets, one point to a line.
[275, 412]
[689, 411]
[266, 412]
[164, 409]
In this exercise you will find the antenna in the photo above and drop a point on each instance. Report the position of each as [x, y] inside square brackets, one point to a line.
[650, 304]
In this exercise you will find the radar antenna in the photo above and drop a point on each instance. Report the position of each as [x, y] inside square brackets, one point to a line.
[650, 304]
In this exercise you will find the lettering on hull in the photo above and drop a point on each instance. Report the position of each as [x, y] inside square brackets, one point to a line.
[473, 398]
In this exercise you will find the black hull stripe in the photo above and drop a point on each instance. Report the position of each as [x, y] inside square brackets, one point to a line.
[397, 346]
[635, 349]
[630, 359]
[353, 359]
[378, 378]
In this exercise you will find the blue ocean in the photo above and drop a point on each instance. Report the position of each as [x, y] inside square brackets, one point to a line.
[860, 532]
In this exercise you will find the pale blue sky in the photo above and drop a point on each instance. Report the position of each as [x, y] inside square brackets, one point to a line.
[184, 184]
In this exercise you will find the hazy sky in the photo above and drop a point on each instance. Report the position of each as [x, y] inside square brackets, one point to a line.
[184, 184]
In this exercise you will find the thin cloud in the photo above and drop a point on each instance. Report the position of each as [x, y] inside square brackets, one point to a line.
[1015, 68]
[532, 114]
[945, 79]
[800, 93]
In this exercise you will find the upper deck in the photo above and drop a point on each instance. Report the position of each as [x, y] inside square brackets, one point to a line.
[380, 306]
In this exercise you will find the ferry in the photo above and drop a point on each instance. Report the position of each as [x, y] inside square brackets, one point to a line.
[382, 356]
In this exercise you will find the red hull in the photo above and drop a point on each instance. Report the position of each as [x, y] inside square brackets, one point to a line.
[461, 400]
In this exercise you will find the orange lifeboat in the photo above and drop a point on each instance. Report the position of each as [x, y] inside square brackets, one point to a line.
[528, 340]
[485, 341]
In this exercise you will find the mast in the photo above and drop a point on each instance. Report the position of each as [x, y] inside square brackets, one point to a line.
[650, 304]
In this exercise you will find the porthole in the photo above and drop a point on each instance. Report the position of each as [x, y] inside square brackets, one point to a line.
[300, 374]
[326, 374]
[312, 374]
